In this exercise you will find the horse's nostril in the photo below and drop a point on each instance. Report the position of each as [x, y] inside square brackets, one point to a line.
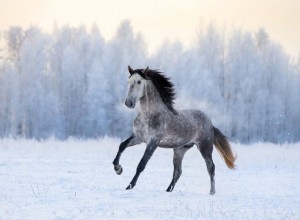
[128, 103]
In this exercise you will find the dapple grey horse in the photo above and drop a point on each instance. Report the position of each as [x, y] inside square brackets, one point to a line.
[159, 124]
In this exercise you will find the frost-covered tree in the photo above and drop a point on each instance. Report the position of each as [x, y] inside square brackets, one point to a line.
[97, 98]
[72, 82]
[126, 48]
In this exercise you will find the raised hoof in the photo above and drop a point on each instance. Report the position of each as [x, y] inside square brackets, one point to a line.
[129, 187]
[118, 169]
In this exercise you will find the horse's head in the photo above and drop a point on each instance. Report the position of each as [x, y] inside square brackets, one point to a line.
[136, 85]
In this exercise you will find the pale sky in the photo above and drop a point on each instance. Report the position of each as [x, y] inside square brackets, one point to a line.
[161, 19]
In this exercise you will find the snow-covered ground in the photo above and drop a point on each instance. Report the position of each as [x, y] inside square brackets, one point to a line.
[75, 180]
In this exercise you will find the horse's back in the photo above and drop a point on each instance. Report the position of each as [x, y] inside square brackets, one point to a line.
[188, 126]
[197, 118]
[195, 114]
[202, 124]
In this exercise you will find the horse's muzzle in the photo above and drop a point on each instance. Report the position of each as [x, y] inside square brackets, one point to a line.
[129, 103]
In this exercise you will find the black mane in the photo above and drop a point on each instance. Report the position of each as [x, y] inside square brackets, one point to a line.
[162, 83]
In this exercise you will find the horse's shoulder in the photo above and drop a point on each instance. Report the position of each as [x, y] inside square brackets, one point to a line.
[155, 120]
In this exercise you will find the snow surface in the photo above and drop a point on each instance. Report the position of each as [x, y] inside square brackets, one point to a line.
[75, 180]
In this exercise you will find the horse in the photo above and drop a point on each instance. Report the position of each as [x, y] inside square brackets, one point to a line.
[159, 124]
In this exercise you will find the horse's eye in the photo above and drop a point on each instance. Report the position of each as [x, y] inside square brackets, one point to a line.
[138, 82]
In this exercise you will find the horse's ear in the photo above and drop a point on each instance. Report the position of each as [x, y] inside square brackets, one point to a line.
[130, 70]
[146, 70]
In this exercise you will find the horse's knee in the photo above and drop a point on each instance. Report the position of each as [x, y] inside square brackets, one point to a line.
[140, 168]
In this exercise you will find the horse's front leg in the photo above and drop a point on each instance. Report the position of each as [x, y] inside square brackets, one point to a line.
[177, 162]
[151, 147]
[132, 140]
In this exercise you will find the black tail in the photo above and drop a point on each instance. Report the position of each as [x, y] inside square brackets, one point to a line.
[224, 148]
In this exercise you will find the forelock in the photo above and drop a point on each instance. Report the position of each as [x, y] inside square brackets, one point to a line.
[139, 72]
[135, 76]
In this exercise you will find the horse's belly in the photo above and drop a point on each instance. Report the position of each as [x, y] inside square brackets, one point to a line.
[174, 141]
[171, 144]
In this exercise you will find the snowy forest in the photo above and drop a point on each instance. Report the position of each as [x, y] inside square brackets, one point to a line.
[73, 83]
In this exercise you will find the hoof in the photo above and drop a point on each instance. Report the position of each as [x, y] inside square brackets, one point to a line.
[118, 169]
[170, 188]
[212, 193]
[129, 187]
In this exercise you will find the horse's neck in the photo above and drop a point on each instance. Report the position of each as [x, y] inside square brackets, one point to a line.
[151, 103]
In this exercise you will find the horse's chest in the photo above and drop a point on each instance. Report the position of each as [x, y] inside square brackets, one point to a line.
[147, 127]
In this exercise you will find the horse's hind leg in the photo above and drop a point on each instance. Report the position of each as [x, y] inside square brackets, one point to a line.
[206, 151]
[177, 161]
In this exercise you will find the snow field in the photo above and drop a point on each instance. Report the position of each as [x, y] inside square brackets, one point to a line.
[75, 179]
